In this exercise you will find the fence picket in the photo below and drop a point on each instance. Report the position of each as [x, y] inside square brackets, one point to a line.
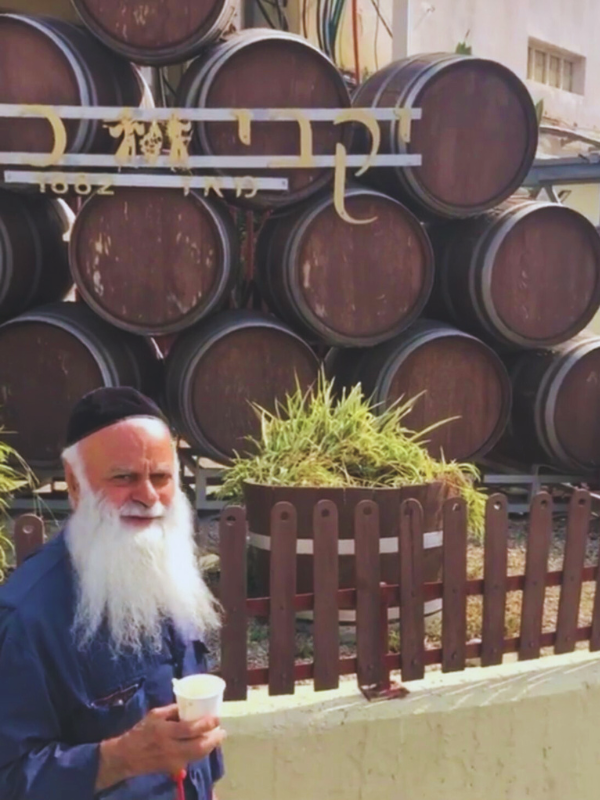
[412, 603]
[454, 614]
[580, 509]
[595, 634]
[232, 585]
[28, 536]
[326, 582]
[536, 566]
[368, 635]
[282, 644]
[494, 580]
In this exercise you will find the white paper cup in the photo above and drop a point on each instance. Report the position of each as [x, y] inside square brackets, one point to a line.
[199, 696]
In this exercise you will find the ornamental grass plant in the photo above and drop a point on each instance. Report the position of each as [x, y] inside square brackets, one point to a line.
[320, 438]
[14, 475]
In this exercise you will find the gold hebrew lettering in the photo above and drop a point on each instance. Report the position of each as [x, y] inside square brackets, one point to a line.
[244, 120]
[179, 134]
[239, 186]
[128, 129]
[366, 119]
[187, 184]
[59, 132]
[404, 116]
[151, 143]
[339, 190]
[306, 157]
[251, 186]
[213, 184]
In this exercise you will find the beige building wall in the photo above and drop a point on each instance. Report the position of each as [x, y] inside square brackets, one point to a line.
[582, 197]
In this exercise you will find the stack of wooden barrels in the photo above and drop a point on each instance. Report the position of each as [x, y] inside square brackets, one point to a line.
[455, 290]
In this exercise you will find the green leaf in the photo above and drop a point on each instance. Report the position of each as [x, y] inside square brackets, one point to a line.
[14, 475]
[539, 111]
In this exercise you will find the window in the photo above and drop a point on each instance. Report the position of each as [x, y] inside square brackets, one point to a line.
[554, 71]
[539, 73]
[567, 75]
[552, 67]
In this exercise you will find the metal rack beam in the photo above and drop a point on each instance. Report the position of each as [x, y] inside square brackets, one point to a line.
[556, 171]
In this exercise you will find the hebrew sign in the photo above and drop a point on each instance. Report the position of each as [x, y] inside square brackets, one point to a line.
[159, 140]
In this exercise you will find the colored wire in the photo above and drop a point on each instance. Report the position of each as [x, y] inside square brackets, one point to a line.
[320, 6]
[265, 15]
[305, 18]
[355, 39]
[318, 23]
[283, 22]
[380, 17]
[338, 14]
[376, 41]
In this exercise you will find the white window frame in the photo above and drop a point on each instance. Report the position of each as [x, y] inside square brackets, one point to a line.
[577, 64]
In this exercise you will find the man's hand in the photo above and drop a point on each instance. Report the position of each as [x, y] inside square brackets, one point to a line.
[158, 743]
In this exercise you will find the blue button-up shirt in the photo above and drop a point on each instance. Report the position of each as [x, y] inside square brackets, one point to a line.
[57, 704]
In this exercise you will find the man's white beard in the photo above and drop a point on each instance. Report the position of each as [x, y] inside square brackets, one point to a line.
[136, 579]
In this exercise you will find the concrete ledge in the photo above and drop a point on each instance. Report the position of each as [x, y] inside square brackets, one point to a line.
[519, 731]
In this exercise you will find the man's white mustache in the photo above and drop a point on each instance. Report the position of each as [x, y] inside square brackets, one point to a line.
[133, 509]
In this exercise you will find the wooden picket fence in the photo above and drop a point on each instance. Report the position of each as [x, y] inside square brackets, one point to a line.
[371, 599]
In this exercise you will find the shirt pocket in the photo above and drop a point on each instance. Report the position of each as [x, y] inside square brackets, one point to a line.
[111, 714]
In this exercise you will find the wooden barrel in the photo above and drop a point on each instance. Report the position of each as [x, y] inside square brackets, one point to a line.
[556, 397]
[232, 74]
[156, 32]
[49, 358]
[525, 275]
[461, 379]
[52, 62]
[260, 500]
[346, 285]
[217, 370]
[153, 261]
[34, 266]
[477, 137]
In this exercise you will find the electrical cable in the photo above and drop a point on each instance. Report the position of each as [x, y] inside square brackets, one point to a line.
[338, 13]
[380, 17]
[265, 15]
[355, 39]
[376, 41]
[283, 22]
[318, 23]
[322, 34]
[324, 25]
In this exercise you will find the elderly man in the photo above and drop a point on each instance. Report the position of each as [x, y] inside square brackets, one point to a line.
[95, 626]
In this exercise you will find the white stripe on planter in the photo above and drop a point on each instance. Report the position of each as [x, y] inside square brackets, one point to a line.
[348, 616]
[431, 607]
[389, 544]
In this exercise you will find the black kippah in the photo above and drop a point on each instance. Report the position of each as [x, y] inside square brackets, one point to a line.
[107, 406]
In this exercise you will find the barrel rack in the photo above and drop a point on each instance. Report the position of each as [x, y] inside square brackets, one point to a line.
[199, 476]
[521, 484]
[203, 478]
